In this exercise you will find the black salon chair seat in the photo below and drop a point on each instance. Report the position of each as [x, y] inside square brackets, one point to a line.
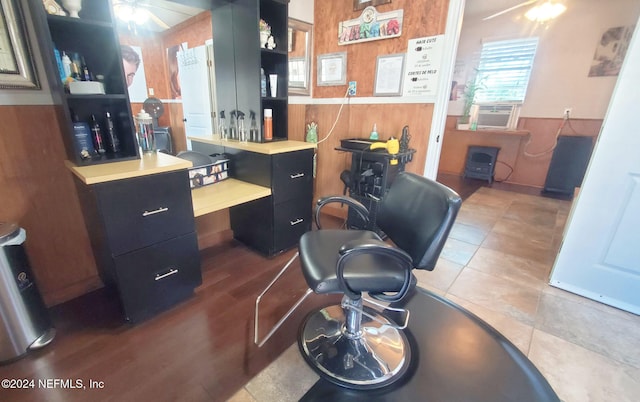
[370, 273]
[354, 345]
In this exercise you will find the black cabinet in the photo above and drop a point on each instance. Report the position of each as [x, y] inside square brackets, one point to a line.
[274, 224]
[248, 58]
[93, 36]
[143, 237]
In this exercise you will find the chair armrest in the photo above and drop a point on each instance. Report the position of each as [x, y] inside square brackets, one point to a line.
[373, 246]
[358, 207]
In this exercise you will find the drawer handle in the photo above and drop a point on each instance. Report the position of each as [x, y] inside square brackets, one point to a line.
[299, 220]
[171, 272]
[296, 176]
[155, 211]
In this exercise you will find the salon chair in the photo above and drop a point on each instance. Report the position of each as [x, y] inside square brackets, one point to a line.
[163, 139]
[354, 345]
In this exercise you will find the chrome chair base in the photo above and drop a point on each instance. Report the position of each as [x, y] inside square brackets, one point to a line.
[376, 357]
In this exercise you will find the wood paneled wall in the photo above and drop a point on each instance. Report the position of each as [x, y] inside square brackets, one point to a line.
[527, 170]
[38, 193]
[421, 18]
[354, 122]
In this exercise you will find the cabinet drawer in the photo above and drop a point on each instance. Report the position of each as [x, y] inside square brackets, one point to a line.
[157, 277]
[291, 220]
[145, 210]
[292, 175]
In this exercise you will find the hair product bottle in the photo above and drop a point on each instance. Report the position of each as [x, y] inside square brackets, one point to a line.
[112, 135]
[268, 124]
[96, 135]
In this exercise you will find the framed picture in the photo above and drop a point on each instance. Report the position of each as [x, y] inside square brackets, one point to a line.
[332, 69]
[389, 71]
[16, 60]
[360, 4]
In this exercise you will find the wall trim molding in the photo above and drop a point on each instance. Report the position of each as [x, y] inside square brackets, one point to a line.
[14, 98]
[369, 100]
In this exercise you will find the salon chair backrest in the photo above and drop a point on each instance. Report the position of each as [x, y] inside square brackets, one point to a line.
[417, 214]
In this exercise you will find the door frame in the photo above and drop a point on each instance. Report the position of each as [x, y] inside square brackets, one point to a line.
[441, 105]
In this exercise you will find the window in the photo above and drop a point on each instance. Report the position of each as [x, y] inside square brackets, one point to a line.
[504, 70]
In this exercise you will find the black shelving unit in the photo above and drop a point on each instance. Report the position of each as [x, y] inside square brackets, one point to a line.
[248, 58]
[93, 36]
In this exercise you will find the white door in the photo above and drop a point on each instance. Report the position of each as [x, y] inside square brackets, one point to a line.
[196, 98]
[600, 256]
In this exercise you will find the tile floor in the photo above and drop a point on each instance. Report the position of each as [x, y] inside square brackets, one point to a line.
[496, 264]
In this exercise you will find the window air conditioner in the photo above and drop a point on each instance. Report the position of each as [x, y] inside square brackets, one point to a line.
[496, 116]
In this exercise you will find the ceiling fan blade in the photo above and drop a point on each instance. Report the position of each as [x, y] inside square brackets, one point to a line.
[525, 3]
[158, 21]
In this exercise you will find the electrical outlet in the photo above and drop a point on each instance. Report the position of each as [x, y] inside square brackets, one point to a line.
[352, 88]
[567, 112]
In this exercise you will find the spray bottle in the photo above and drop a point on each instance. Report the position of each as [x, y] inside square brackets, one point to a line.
[253, 128]
[222, 126]
[242, 132]
[233, 129]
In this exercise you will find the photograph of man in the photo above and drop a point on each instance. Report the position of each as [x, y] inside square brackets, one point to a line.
[134, 72]
[130, 62]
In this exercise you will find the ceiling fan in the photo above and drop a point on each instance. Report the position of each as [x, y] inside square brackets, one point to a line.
[544, 11]
[136, 12]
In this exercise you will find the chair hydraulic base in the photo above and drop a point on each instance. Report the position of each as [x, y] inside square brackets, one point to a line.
[360, 355]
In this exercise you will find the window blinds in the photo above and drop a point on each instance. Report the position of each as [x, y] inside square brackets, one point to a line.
[504, 70]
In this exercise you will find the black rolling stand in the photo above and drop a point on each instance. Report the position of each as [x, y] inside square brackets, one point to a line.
[371, 175]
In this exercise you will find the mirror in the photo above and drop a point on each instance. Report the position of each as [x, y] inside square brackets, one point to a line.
[176, 44]
[300, 49]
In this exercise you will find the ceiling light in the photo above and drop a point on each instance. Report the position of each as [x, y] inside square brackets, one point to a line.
[124, 12]
[545, 11]
[140, 15]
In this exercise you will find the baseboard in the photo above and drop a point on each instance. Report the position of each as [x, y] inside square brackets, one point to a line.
[72, 291]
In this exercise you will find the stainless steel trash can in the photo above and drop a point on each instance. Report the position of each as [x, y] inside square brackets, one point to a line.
[24, 320]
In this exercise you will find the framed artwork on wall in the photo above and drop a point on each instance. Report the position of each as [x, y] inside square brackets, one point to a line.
[332, 69]
[360, 4]
[16, 60]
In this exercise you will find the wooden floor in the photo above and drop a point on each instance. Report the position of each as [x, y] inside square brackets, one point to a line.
[200, 350]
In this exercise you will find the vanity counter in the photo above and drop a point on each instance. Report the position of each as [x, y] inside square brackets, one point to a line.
[148, 164]
[267, 148]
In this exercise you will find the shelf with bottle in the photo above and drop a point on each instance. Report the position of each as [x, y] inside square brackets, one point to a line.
[89, 11]
[81, 23]
[274, 13]
[81, 62]
[117, 126]
[98, 137]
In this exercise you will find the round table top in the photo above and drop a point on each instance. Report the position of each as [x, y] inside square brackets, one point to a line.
[456, 357]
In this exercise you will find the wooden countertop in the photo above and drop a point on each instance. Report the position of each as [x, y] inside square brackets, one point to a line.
[225, 194]
[148, 164]
[514, 133]
[269, 148]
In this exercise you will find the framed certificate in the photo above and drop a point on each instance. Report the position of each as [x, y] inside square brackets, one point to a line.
[16, 66]
[389, 70]
[332, 69]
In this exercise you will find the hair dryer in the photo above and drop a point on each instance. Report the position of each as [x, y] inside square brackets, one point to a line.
[392, 146]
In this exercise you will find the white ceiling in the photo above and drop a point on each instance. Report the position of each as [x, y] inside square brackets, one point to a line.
[485, 8]
[169, 12]
[173, 13]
